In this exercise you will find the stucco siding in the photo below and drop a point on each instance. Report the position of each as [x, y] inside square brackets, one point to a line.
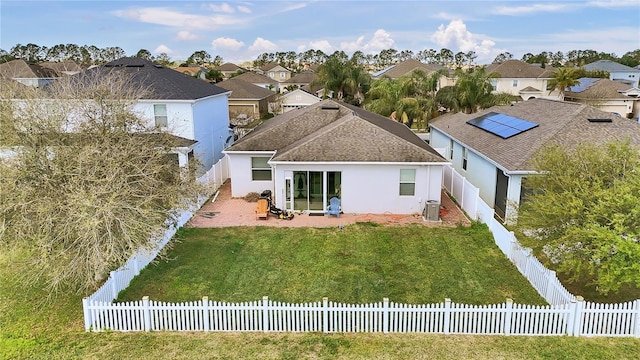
[240, 173]
[211, 129]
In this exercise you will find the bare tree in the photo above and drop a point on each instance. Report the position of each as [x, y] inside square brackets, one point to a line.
[89, 182]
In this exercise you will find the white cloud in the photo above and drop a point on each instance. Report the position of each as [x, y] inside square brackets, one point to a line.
[530, 9]
[226, 43]
[186, 36]
[162, 49]
[445, 16]
[456, 37]
[244, 9]
[322, 45]
[614, 3]
[381, 40]
[224, 7]
[261, 45]
[169, 17]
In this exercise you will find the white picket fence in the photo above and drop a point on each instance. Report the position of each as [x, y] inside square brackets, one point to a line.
[567, 314]
[575, 318]
[542, 279]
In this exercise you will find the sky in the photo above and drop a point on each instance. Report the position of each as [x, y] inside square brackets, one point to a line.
[241, 30]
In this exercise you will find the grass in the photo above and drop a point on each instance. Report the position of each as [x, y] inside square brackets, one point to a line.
[360, 264]
[32, 328]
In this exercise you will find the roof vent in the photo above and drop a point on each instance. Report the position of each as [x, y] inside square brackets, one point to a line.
[330, 107]
[600, 120]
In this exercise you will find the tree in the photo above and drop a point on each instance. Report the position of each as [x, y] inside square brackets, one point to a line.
[502, 57]
[199, 57]
[348, 81]
[163, 59]
[472, 92]
[82, 202]
[144, 54]
[411, 97]
[585, 212]
[562, 79]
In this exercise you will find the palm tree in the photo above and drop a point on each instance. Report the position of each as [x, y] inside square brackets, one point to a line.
[347, 80]
[472, 92]
[563, 78]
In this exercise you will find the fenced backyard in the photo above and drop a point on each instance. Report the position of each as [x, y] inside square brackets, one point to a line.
[566, 314]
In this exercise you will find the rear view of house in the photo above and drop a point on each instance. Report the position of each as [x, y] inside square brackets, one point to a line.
[307, 156]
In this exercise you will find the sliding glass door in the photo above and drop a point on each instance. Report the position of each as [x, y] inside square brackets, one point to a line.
[312, 189]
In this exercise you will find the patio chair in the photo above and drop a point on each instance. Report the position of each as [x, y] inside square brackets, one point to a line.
[334, 207]
[262, 209]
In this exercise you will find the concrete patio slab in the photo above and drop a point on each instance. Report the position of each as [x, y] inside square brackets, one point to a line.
[227, 211]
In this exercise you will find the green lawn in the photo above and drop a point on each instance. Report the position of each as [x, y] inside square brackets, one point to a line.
[360, 264]
[32, 327]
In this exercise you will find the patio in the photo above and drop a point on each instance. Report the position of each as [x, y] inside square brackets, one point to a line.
[228, 211]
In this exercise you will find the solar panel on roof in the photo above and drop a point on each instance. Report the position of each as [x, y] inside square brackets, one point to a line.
[502, 125]
[584, 84]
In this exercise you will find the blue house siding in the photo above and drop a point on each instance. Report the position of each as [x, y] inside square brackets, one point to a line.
[211, 129]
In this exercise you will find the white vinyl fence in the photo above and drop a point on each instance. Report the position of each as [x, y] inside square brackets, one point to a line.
[567, 314]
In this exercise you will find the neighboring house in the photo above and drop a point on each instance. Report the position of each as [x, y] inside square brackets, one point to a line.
[407, 67]
[497, 160]
[522, 79]
[606, 95]
[185, 106]
[247, 102]
[307, 156]
[291, 100]
[228, 69]
[193, 71]
[300, 80]
[63, 67]
[27, 74]
[259, 80]
[617, 72]
[275, 71]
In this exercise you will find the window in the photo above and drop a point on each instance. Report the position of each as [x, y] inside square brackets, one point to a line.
[272, 74]
[260, 170]
[451, 149]
[160, 115]
[515, 83]
[494, 84]
[407, 182]
[283, 75]
[464, 158]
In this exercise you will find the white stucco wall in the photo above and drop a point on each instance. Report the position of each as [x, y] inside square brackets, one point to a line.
[205, 120]
[240, 174]
[365, 188]
[179, 116]
[211, 128]
[480, 171]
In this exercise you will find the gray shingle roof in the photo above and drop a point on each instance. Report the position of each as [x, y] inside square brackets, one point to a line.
[408, 66]
[610, 66]
[601, 89]
[16, 69]
[254, 78]
[520, 69]
[305, 77]
[562, 123]
[333, 131]
[163, 83]
[243, 90]
[228, 67]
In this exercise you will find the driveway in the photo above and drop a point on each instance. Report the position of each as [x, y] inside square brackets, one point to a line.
[227, 211]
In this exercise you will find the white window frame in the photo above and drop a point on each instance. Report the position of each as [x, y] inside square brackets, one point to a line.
[283, 74]
[464, 158]
[514, 83]
[451, 145]
[407, 181]
[160, 116]
[259, 165]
